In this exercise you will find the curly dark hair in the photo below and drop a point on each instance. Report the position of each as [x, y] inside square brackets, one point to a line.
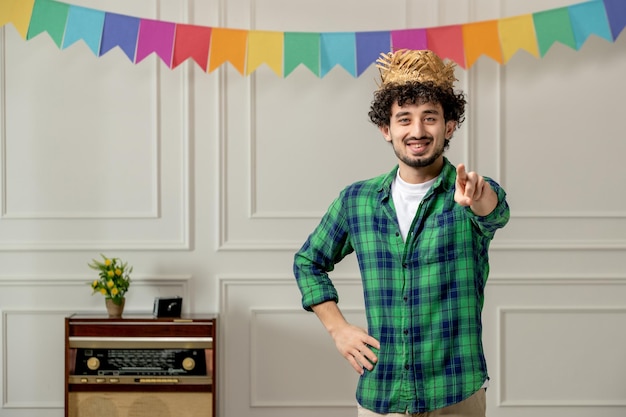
[453, 103]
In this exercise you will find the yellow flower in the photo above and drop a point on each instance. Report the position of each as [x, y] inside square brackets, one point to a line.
[114, 276]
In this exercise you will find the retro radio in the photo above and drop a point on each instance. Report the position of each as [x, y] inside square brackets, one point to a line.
[141, 366]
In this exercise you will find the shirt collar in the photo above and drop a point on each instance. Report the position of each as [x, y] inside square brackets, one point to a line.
[444, 183]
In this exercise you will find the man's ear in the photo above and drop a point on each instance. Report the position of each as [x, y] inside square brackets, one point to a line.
[384, 129]
[450, 128]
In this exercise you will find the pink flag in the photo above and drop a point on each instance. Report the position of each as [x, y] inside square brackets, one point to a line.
[155, 36]
[409, 39]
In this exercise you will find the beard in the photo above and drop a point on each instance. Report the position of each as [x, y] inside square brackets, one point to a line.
[420, 162]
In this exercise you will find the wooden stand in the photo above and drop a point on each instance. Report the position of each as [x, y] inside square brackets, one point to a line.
[104, 395]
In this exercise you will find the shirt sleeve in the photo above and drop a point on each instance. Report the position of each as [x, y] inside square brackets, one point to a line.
[498, 218]
[328, 244]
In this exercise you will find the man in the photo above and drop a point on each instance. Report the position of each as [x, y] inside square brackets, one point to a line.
[421, 234]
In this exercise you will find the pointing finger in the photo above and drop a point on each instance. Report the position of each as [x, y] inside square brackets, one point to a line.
[470, 186]
[461, 174]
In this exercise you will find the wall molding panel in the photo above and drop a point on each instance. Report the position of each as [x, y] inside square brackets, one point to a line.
[575, 324]
[161, 202]
[209, 181]
[292, 382]
[24, 383]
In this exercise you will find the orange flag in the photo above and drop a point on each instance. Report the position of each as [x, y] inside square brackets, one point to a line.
[481, 38]
[518, 32]
[265, 47]
[228, 45]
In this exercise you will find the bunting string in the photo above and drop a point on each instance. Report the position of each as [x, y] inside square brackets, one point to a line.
[246, 50]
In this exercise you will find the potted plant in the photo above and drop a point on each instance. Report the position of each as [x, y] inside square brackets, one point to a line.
[113, 282]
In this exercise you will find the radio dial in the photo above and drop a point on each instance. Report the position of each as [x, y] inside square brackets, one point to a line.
[188, 364]
[93, 363]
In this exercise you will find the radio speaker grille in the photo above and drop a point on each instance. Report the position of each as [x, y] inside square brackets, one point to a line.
[140, 404]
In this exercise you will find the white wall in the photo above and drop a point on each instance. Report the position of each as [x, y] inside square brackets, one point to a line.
[208, 183]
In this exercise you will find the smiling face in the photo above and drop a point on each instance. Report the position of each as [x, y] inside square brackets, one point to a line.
[418, 134]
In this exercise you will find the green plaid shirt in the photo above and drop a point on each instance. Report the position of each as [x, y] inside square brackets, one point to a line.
[423, 297]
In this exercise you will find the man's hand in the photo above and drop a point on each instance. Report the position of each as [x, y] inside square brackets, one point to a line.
[473, 191]
[354, 344]
[351, 341]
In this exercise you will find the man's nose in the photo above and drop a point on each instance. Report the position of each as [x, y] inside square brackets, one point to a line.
[417, 129]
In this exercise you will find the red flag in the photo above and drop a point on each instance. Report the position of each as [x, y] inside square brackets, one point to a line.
[447, 42]
[192, 41]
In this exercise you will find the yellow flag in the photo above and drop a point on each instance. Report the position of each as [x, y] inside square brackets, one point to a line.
[6, 11]
[22, 11]
[517, 33]
[265, 47]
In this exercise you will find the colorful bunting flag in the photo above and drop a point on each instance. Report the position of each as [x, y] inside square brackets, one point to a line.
[589, 19]
[338, 49]
[553, 26]
[155, 36]
[20, 15]
[517, 33]
[283, 52]
[120, 30]
[409, 39]
[447, 42]
[49, 16]
[265, 47]
[6, 11]
[228, 45]
[302, 48]
[369, 46]
[192, 42]
[481, 38]
[85, 24]
[616, 12]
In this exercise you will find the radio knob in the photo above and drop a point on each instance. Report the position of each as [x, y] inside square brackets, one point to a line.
[189, 364]
[93, 363]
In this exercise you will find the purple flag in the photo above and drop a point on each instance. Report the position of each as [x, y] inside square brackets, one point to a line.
[119, 30]
[616, 12]
[369, 46]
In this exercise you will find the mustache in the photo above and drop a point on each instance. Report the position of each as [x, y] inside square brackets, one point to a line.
[428, 137]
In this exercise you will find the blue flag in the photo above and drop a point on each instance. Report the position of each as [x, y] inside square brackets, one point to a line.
[85, 24]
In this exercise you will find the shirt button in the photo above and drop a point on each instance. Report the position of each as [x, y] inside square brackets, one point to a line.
[406, 331]
[406, 366]
[404, 266]
[405, 298]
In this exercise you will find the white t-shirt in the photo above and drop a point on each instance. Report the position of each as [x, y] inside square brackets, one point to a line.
[407, 198]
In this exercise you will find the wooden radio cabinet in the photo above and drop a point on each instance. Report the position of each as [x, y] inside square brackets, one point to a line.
[140, 366]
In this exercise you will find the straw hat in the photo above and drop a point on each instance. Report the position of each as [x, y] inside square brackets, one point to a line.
[407, 65]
